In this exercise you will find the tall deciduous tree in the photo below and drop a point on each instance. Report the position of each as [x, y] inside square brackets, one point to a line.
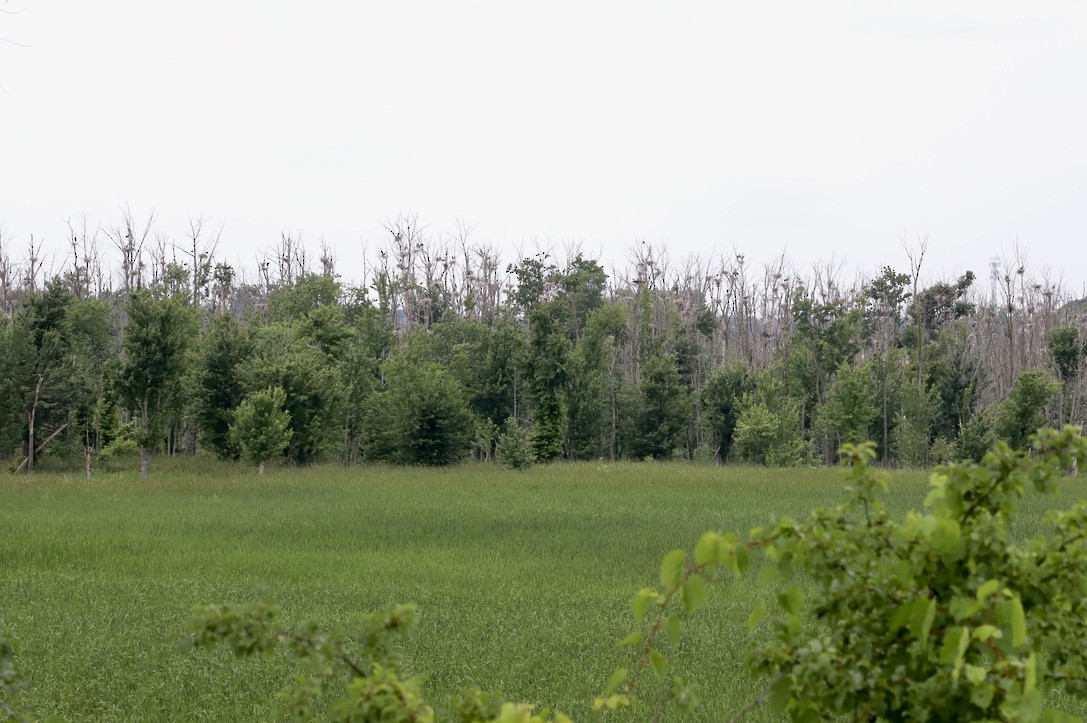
[850, 409]
[663, 412]
[421, 416]
[37, 364]
[547, 359]
[157, 339]
[92, 366]
[286, 357]
[721, 397]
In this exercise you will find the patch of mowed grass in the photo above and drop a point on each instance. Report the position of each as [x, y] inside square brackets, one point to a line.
[523, 579]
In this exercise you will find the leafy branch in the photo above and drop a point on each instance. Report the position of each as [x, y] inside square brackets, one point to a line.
[933, 615]
[10, 680]
[375, 689]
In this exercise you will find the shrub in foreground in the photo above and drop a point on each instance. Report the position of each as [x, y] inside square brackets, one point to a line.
[376, 690]
[10, 680]
[934, 616]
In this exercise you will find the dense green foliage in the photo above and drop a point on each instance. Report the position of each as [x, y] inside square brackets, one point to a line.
[515, 446]
[10, 679]
[1024, 410]
[261, 427]
[429, 357]
[156, 341]
[421, 416]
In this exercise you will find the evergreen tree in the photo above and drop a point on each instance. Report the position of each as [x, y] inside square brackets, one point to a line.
[515, 446]
[225, 347]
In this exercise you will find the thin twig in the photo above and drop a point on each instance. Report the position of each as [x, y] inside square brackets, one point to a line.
[757, 702]
[342, 656]
[662, 702]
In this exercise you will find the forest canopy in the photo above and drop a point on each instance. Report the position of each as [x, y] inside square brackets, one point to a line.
[442, 350]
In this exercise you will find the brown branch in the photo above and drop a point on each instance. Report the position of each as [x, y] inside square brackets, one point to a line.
[355, 668]
[50, 438]
[756, 702]
[662, 703]
[39, 448]
[353, 665]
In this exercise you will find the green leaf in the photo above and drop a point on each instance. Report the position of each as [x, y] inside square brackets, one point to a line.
[987, 589]
[743, 560]
[756, 616]
[672, 568]
[982, 695]
[781, 694]
[768, 574]
[728, 559]
[946, 536]
[904, 613]
[705, 552]
[791, 600]
[694, 594]
[1018, 622]
[1030, 673]
[921, 624]
[975, 674]
[659, 663]
[641, 602]
[674, 628]
[962, 608]
[617, 679]
[1030, 706]
[1009, 613]
[632, 639]
[612, 702]
[954, 648]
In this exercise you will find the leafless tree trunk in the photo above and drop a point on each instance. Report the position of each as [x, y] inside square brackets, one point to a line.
[916, 256]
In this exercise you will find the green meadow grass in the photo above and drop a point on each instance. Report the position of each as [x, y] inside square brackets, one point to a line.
[523, 580]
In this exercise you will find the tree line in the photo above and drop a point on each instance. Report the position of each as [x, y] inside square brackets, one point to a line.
[442, 350]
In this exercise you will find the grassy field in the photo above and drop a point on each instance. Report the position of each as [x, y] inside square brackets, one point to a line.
[523, 580]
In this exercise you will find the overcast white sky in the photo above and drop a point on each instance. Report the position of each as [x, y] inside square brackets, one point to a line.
[819, 128]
